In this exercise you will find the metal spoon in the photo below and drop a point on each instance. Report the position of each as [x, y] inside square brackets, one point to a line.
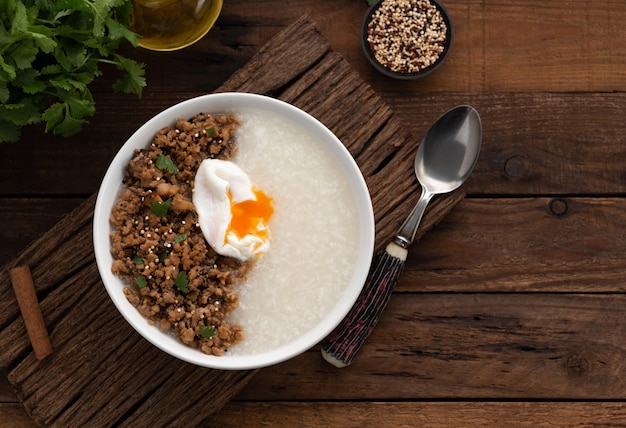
[444, 160]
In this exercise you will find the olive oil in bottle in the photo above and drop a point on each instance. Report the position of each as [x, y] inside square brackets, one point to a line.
[173, 24]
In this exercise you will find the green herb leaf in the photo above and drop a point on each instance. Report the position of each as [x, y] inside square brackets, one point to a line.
[51, 50]
[182, 282]
[180, 238]
[133, 81]
[162, 257]
[141, 281]
[210, 132]
[160, 209]
[165, 163]
[138, 260]
[206, 331]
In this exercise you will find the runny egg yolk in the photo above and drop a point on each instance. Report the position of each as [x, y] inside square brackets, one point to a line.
[248, 214]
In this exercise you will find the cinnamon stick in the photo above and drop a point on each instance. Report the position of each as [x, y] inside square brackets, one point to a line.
[26, 295]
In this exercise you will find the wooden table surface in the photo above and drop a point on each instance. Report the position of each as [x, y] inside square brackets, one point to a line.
[512, 310]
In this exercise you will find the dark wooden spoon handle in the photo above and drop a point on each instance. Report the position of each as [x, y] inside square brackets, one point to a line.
[346, 340]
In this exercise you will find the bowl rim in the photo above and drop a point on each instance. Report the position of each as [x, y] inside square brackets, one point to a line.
[109, 191]
[407, 76]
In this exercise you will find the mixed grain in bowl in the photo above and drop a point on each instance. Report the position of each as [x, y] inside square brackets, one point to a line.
[177, 291]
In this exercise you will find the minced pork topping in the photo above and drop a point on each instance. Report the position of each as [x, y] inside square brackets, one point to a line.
[174, 278]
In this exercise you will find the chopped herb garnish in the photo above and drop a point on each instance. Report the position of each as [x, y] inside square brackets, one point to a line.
[182, 282]
[165, 163]
[210, 131]
[180, 238]
[160, 208]
[141, 281]
[206, 331]
[162, 257]
[138, 260]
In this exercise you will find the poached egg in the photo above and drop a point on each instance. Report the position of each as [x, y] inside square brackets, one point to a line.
[233, 214]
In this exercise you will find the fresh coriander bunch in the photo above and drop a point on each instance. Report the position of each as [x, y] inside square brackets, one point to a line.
[50, 50]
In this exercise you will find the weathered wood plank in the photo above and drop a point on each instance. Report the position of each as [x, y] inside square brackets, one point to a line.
[534, 46]
[432, 414]
[13, 415]
[274, 66]
[498, 46]
[537, 144]
[562, 118]
[523, 245]
[485, 245]
[471, 346]
[68, 243]
[534, 144]
[22, 220]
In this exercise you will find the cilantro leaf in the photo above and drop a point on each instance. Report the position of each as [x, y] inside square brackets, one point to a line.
[160, 209]
[182, 282]
[180, 238]
[68, 117]
[4, 93]
[165, 163]
[206, 331]
[9, 132]
[141, 281]
[133, 81]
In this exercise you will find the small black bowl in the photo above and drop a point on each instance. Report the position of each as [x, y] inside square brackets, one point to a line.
[399, 74]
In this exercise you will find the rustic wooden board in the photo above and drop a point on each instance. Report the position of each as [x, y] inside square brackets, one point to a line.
[103, 373]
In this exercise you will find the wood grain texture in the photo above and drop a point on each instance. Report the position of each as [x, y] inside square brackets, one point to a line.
[539, 135]
[541, 234]
[533, 144]
[13, 415]
[471, 346]
[102, 373]
[559, 244]
[24, 220]
[431, 414]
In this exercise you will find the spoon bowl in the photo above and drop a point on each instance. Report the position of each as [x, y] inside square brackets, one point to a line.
[444, 160]
[449, 150]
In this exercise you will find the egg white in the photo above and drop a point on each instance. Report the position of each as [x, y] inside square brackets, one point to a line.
[214, 180]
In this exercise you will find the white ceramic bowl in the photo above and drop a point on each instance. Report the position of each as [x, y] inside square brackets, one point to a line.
[221, 103]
